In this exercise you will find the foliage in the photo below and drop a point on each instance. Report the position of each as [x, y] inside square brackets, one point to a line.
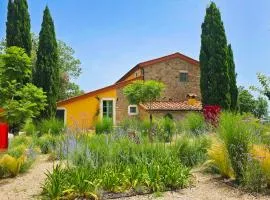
[11, 164]
[265, 85]
[253, 176]
[25, 103]
[52, 126]
[19, 99]
[211, 114]
[29, 127]
[248, 104]
[114, 163]
[193, 123]
[215, 80]
[104, 126]
[143, 91]
[262, 155]
[166, 129]
[18, 25]
[219, 159]
[232, 78]
[69, 66]
[46, 73]
[47, 143]
[261, 109]
[237, 138]
[17, 66]
[192, 149]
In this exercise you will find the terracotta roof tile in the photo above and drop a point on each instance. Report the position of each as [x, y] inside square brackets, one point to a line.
[172, 106]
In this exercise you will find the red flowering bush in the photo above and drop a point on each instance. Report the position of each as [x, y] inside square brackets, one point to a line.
[211, 114]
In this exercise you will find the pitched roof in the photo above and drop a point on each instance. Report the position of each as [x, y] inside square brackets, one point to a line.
[158, 60]
[171, 106]
[95, 92]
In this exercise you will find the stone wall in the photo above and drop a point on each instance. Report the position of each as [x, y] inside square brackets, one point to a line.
[169, 73]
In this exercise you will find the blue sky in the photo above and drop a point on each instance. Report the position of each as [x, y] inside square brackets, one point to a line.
[112, 36]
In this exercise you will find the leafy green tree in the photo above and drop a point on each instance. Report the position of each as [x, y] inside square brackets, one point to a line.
[247, 103]
[70, 67]
[265, 85]
[232, 78]
[20, 101]
[17, 65]
[214, 81]
[22, 104]
[18, 25]
[46, 73]
[144, 92]
[261, 107]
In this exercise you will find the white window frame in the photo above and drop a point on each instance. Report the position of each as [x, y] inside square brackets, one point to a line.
[65, 114]
[137, 110]
[114, 108]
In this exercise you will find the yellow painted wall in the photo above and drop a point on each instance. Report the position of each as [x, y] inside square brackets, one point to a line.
[82, 113]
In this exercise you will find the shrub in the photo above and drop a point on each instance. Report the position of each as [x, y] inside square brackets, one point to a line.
[192, 149]
[17, 151]
[145, 127]
[20, 140]
[193, 123]
[104, 126]
[237, 137]
[211, 114]
[50, 126]
[29, 128]
[166, 128]
[11, 164]
[133, 124]
[47, 143]
[219, 159]
[262, 154]
[253, 177]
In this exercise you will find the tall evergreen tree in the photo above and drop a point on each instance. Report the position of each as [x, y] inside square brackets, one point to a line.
[18, 25]
[46, 73]
[214, 80]
[232, 76]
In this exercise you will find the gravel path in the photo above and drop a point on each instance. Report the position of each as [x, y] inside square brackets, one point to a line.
[26, 186]
[206, 187]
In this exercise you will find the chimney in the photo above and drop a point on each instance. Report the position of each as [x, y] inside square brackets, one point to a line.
[191, 99]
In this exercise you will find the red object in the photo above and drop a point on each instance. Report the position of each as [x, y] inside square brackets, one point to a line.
[211, 114]
[3, 136]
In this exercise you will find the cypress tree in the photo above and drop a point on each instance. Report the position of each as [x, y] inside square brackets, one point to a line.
[214, 79]
[232, 76]
[46, 73]
[18, 25]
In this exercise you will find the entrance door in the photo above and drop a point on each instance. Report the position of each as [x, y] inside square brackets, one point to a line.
[107, 108]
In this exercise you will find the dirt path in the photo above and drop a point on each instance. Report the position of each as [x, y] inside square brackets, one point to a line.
[26, 186]
[206, 187]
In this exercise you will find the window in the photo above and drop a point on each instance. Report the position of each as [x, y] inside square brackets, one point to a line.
[61, 114]
[133, 110]
[183, 76]
[108, 108]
